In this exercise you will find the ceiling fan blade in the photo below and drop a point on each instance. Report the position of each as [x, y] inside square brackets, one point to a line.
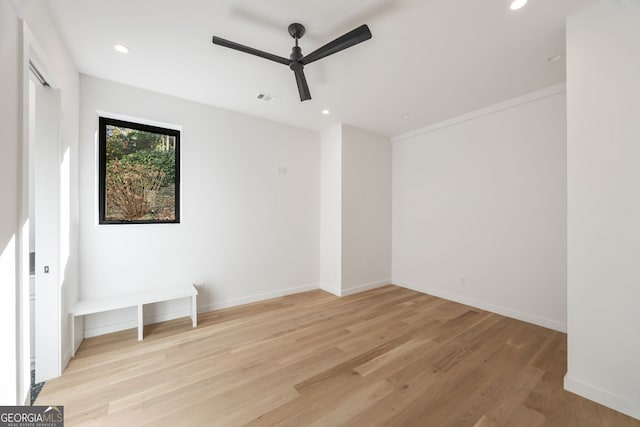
[352, 38]
[303, 87]
[236, 46]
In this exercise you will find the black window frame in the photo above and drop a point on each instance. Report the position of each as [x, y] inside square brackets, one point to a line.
[103, 122]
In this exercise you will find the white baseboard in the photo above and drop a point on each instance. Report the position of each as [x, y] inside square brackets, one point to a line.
[603, 397]
[163, 317]
[66, 358]
[331, 289]
[365, 287]
[504, 311]
[255, 298]
[354, 289]
[74, 341]
[109, 328]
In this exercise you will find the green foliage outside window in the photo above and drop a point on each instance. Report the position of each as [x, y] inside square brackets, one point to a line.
[139, 180]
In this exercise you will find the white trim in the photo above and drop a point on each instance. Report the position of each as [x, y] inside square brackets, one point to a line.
[112, 327]
[339, 292]
[365, 287]
[601, 396]
[504, 311]
[139, 120]
[35, 53]
[525, 99]
[163, 317]
[255, 298]
[31, 50]
[75, 344]
[331, 289]
[130, 324]
[66, 358]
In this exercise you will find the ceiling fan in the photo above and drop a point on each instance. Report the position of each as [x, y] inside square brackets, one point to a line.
[297, 60]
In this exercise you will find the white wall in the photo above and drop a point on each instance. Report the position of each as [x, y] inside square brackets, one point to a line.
[331, 210]
[247, 230]
[479, 209]
[9, 228]
[356, 210]
[603, 55]
[366, 210]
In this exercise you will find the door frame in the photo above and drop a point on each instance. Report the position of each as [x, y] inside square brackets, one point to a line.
[34, 53]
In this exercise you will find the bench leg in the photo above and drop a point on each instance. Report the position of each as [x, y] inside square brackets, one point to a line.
[194, 311]
[140, 323]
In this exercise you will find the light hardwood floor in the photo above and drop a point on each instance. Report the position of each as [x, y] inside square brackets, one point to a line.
[389, 356]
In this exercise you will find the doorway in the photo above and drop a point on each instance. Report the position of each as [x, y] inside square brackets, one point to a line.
[42, 158]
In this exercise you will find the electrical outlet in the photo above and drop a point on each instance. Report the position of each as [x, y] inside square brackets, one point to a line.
[199, 287]
[463, 281]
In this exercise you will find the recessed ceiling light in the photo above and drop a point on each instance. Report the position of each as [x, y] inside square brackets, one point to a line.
[121, 48]
[555, 57]
[326, 112]
[517, 4]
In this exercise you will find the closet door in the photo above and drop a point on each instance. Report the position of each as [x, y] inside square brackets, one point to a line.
[46, 115]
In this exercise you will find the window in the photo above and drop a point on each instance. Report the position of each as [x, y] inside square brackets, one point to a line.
[139, 173]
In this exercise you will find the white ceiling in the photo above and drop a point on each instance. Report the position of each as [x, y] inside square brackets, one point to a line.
[430, 59]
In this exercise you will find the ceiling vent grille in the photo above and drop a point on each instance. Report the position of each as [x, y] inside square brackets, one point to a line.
[264, 97]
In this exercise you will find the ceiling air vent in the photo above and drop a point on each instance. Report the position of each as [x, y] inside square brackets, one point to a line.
[264, 97]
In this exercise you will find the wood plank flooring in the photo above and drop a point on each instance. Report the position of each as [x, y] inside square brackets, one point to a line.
[389, 356]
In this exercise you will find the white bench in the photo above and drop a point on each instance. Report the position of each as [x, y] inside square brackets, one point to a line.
[139, 299]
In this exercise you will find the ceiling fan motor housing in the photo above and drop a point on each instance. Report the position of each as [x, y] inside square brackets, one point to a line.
[296, 56]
